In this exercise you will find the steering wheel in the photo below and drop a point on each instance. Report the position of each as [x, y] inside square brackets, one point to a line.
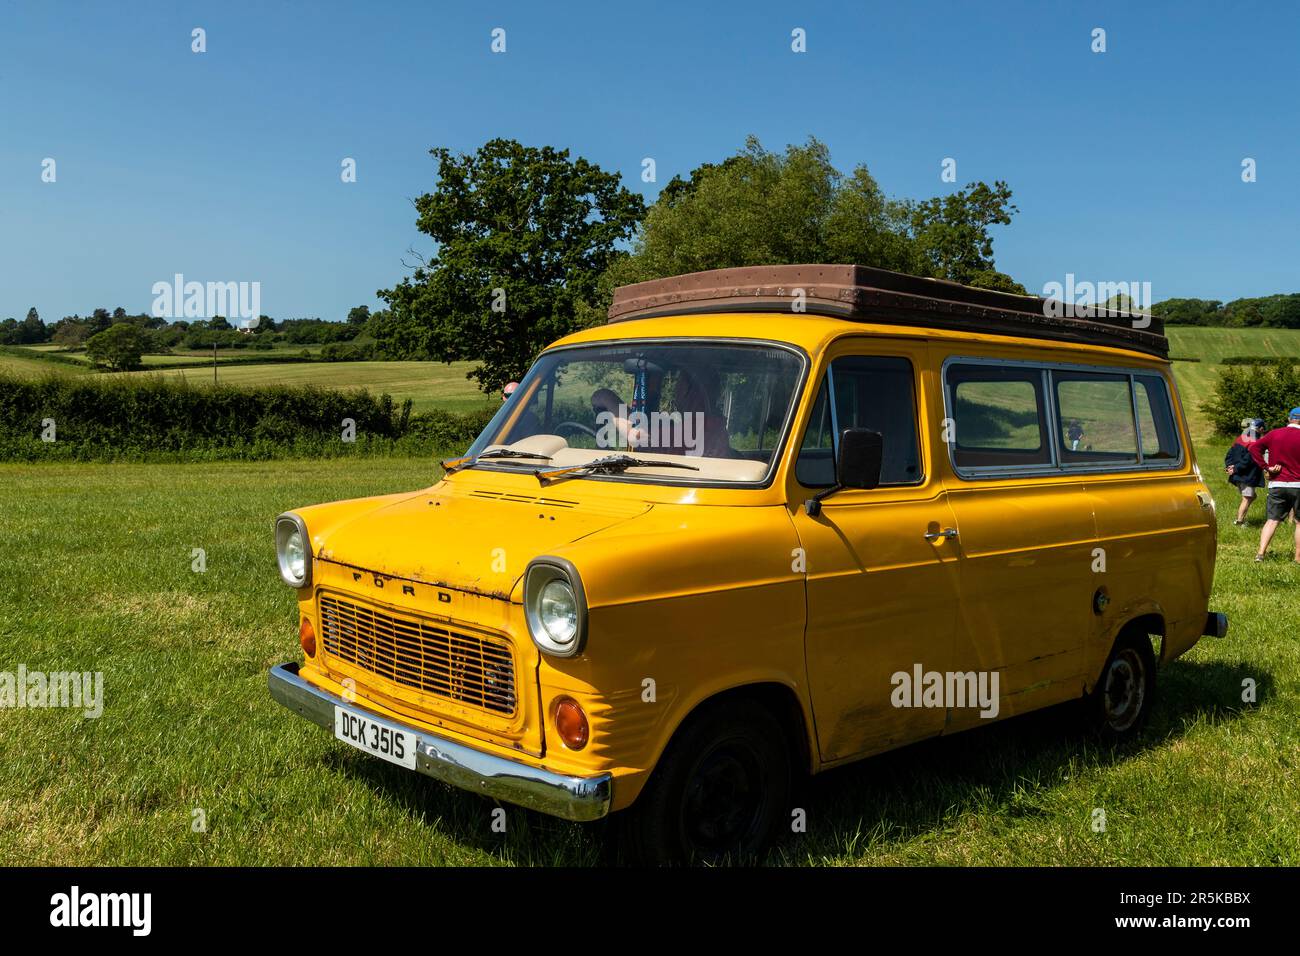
[573, 426]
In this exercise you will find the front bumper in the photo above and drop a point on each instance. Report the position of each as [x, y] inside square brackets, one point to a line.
[573, 798]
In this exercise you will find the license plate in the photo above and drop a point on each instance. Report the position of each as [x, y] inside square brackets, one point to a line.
[379, 740]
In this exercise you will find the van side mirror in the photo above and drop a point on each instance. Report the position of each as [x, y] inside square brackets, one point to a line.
[857, 465]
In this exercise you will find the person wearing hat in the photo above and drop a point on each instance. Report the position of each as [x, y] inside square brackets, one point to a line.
[1242, 470]
[1283, 468]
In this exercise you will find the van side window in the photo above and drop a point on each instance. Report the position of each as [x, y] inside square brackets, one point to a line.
[1094, 411]
[998, 417]
[875, 392]
[1155, 419]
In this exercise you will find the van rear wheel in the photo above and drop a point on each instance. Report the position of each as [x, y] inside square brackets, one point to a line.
[1122, 700]
[718, 792]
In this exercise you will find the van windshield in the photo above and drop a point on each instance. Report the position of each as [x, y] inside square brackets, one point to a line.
[709, 411]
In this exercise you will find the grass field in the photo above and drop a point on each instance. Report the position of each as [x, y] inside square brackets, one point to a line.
[436, 385]
[13, 361]
[428, 384]
[1196, 379]
[95, 574]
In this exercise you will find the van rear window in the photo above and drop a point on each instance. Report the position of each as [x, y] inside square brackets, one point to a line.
[1103, 419]
[1155, 417]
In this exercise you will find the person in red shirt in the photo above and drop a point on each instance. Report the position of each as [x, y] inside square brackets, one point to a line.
[1283, 468]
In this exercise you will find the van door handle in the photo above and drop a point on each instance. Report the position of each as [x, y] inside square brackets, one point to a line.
[945, 533]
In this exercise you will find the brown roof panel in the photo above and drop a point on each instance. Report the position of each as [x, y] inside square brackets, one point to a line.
[864, 294]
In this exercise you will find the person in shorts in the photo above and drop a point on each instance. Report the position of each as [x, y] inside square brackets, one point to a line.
[1243, 473]
[1282, 445]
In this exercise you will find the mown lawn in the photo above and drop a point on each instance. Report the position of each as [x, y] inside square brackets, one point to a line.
[95, 574]
[1211, 345]
[429, 385]
[15, 360]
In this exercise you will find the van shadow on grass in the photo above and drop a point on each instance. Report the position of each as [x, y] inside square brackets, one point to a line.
[887, 799]
[900, 795]
[467, 824]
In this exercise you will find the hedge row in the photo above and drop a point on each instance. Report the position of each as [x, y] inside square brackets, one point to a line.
[135, 419]
[1259, 359]
[1253, 391]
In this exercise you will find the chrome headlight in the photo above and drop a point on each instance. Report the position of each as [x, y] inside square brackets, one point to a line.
[555, 607]
[292, 550]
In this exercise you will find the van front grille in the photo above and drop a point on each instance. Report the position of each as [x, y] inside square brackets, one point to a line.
[446, 661]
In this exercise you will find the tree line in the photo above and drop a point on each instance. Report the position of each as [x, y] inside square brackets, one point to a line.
[118, 341]
[531, 242]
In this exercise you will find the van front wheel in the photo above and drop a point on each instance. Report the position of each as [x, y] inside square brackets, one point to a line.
[718, 792]
[1123, 697]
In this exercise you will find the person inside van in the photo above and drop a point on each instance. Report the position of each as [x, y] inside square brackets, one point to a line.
[607, 407]
[1242, 470]
[1282, 445]
[695, 393]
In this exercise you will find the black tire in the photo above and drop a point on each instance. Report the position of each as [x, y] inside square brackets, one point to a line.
[1120, 704]
[718, 793]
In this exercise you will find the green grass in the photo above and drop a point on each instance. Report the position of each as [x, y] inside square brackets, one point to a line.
[1196, 379]
[95, 574]
[428, 384]
[14, 360]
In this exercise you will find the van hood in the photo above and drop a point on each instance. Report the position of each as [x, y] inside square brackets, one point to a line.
[473, 540]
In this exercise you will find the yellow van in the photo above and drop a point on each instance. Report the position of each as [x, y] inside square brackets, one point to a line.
[764, 522]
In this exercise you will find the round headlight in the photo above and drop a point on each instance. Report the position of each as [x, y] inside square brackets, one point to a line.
[294, 556]
[559, 612]
[291, 551]
[555, 606]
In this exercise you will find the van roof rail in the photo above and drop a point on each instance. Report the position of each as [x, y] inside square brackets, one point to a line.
[866, 294]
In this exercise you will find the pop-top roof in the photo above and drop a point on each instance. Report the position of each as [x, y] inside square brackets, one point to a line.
[864, 294]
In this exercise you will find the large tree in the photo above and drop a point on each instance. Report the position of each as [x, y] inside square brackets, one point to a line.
[952, 232]
[523, 235]
[760, 207]
[118, 347]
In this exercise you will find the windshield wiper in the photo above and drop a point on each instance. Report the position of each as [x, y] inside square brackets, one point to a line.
[609, 465]
[456, 464]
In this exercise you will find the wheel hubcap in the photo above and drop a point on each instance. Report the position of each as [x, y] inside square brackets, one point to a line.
[724, 800]
[1125, 690]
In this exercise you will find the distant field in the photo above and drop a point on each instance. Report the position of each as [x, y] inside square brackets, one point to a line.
[34, 366]
[428, 384]
[1196, 379]
[435, 385]
[1212, 345]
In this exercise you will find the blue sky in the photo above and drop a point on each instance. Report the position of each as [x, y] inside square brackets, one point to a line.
[225, 166]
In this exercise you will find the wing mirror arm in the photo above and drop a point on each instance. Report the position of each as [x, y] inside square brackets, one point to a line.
[857, 465]
[813, 505]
